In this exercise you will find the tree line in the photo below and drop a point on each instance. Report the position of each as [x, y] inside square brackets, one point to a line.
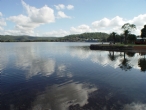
[85, 36]
[126, 36]
[69, 38]
[10, 38]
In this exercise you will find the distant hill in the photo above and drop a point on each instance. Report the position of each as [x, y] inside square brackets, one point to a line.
[9, 38]
[72, 38]
[96, 35]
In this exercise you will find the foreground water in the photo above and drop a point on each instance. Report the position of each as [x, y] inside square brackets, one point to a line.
[70, 76]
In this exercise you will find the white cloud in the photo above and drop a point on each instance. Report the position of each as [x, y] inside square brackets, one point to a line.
[1, 28]
[116, 21]
[23, 25]
[42, 15]
[2, 22]
[60, 6]
[140, 20]
[59, 33]
[69, 7]
[106, 23]
[103, 25]
[1, 14]
[35, 17]
[20, 19]
[61, 14]
[80, 29]
[18, 32]
[115, 24]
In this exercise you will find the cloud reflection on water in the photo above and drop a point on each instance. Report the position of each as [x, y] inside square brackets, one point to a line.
[62, 71]
[135, 106]
[101, 57]
[29, 60]
[29, 57]
[60, 62]
[60, 98]
[4, 58]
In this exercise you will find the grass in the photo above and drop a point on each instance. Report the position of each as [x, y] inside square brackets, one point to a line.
[119, 44]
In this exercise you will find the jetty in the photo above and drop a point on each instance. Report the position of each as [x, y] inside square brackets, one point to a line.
[114, 47]
[110, 47]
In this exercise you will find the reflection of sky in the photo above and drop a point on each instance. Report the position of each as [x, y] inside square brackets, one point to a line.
[62, 71]
[36, 57]
[4, 56]
[33, 63]
[60, 98]
[71, 63]
[33, 58]
[135, 106]
[101, 57]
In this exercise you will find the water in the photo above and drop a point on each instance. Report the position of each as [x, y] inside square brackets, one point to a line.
[70, 76]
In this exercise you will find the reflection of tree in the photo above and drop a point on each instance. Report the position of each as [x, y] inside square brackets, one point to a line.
[142, 64]
[130, 54]
[124, 64]
[112, 56]
[142, 53]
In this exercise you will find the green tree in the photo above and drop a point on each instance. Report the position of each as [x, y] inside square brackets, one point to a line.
[113, 34]
[121, 36]
[131, 38]
[114, 37]
[127, 28]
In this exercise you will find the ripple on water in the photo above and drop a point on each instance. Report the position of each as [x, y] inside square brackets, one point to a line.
[61, 76]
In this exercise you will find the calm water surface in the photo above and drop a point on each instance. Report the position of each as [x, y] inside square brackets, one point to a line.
[70, 76]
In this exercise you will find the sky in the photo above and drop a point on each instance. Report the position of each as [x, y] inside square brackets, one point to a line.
[58, 18]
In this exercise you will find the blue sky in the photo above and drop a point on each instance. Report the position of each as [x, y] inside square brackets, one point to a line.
[63, 17]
